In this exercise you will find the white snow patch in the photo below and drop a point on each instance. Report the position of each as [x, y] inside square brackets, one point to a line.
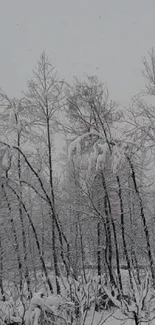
[117, 158]
[76, 144]
[6, 160]
[102, 157]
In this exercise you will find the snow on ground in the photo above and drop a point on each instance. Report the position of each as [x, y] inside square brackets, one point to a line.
[107, 318]
[112, 317]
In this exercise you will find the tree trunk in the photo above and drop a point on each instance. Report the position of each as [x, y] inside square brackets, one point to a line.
[82, 250]
[22, 223]
[36, 239]
[56, 269]
[15, 238]
[99, 248]
[136, 319]
[123, 231]
[133, 250]
[55, 261]
[108, 251]
[114, 232]
[1, 270]
[146, 231]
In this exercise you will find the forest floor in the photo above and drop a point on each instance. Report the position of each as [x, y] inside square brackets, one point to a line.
[109, 318]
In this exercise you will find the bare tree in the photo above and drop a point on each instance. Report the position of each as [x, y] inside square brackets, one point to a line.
[43, 102]
[92, 116]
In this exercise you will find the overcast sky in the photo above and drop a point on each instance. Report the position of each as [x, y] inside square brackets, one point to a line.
[103, 37]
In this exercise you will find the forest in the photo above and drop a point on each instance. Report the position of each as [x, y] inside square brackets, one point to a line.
[77, 229]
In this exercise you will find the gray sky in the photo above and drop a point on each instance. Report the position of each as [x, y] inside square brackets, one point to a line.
[103, 37]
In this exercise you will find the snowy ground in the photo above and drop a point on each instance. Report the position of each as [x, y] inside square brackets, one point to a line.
[112, 317]
[107, 318]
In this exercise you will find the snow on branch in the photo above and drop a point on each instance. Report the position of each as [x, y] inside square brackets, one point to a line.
[117, 157]
[75, 146]
[99, 151]
[6, 160]
[40, 302]
[100, 162]
[140, 302]
[8, 312]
